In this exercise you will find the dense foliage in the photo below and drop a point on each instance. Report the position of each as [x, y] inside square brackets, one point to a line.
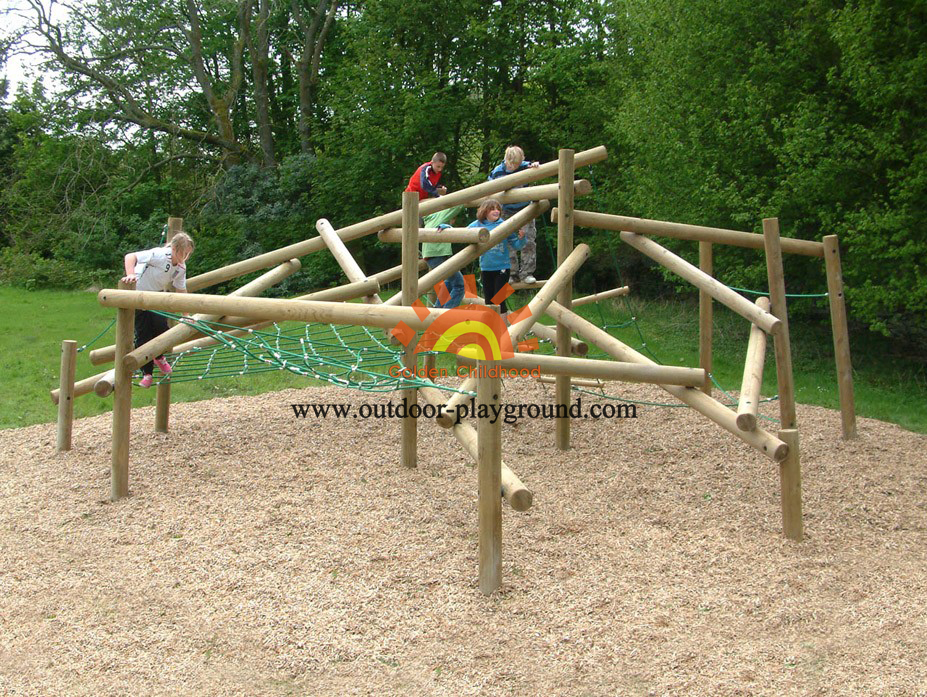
[252, 119]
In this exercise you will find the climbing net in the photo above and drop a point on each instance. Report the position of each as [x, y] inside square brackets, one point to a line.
[356, 357]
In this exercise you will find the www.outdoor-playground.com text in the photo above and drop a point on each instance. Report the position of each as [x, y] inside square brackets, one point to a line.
[509, 413]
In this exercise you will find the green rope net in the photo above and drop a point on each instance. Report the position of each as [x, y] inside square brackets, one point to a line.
[359, 358]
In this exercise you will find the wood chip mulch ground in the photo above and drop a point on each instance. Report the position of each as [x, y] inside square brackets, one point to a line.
[261, 554]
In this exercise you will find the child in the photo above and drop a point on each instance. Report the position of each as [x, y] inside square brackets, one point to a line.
[426, 178]
[436, 253]
[157, 269]
[494, 264]
[515, 162]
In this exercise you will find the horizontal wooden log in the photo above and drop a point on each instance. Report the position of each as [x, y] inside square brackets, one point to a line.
[273, 309]
[180, 333]
[603, 370]
[597, 384]
[598, 297]
[543, 192]
[514, 491]
[521, 285]
[683, 231]
[388, 220]
[451, 235]
[349, 291]
[763, 441]
[720, 292]
[81, 387]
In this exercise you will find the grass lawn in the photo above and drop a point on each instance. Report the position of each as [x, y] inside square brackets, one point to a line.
[887, 386]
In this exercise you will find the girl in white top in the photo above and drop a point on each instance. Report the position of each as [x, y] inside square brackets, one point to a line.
[160, 269]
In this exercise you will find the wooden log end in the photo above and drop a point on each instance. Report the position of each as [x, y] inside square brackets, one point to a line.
[746, 422]
[519, 499]
[780, 453]
[445, 419]
[103, 388]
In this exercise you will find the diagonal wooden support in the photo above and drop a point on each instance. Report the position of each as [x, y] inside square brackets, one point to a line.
[720, 292]
[473, 251]
[368, 227]
[517, 331]
[343, 256]
[763, 441]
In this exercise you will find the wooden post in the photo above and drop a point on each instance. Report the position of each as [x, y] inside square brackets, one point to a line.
[163, 406]
[790, 487]
[66, 394]
[174, 225]
[753, 375]
[514, 491]
[838, 321]
[565, 199]
[122, 402]
[409, 295]
[705, 312]
[489, 439]
[777, 302]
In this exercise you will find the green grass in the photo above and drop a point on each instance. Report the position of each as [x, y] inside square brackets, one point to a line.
[887, 386]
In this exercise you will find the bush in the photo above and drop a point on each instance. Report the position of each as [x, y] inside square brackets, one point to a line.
[32, 272]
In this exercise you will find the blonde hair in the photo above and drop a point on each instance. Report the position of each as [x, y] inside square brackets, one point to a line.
[514, 156]
[489, 204]
[182, 240]
[439, 157]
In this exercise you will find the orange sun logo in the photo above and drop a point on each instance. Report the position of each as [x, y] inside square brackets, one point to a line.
[474, 329]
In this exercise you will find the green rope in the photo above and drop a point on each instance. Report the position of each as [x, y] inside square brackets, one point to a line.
[97, 337]
[351, 357]
[788, 295]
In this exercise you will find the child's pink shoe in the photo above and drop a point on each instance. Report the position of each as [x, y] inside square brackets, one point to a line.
[163, 365]
[146, 381]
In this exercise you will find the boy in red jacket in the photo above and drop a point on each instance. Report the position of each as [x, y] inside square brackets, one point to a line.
[426, 178]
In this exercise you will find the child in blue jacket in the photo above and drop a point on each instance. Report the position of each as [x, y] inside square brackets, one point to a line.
[494, 263]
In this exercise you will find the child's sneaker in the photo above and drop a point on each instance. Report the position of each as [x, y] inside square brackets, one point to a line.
[146, 381]
[163, 365]
[529, 279]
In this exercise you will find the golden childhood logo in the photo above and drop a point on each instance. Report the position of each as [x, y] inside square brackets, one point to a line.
[472, 330]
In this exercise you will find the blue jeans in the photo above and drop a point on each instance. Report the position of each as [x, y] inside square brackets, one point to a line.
[455, 284]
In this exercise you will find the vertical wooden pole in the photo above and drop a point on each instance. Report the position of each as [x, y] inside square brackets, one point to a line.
[705, 315]
[489, 446]
[790, 487]
[66, 394]
[776, 276]
[838, 321]
[163, 406]
[122, 402]
[409, 294]
[565, 198]
[174, 225]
